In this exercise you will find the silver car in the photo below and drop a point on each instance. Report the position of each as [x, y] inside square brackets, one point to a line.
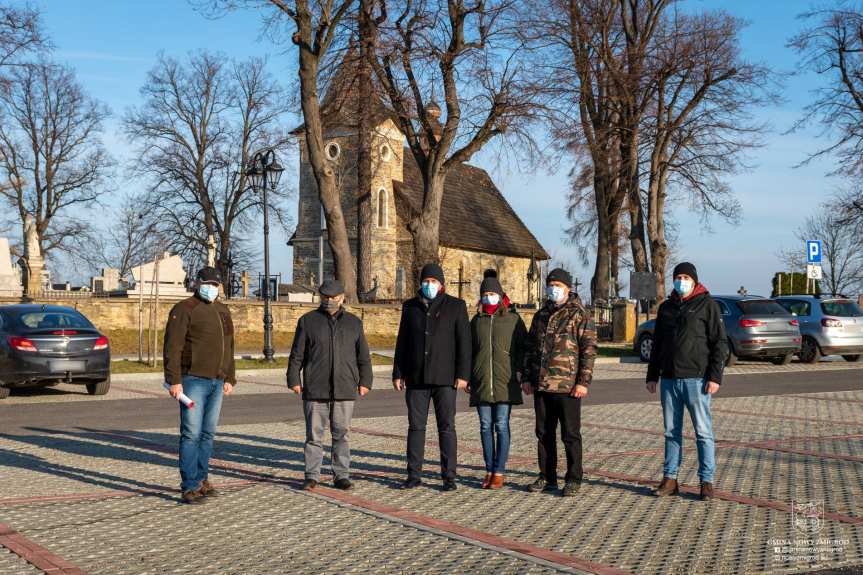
[829, 325]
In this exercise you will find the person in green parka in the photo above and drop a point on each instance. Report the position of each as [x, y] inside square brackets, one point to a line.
[499, 338]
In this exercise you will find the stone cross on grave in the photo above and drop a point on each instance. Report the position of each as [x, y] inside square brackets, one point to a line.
[461, 281]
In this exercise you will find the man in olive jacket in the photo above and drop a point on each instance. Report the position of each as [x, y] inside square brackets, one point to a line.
[331, 351]
[559, 367]
[688, 355]
[199, 361]
[432, 360]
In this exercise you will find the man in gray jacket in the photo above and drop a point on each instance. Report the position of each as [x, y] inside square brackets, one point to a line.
[331, 351]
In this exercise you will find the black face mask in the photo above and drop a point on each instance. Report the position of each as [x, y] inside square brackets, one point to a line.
[330, 305]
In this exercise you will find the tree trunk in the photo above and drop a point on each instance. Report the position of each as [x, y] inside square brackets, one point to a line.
[365, 198]
[425, 229]
[325, 177]
[629, 159]
[656, 226]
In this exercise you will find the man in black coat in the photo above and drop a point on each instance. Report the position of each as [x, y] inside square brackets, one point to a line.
[331, 350]
[689, 352]
[432, 362]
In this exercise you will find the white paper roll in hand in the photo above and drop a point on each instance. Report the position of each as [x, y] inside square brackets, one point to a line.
[184, 399]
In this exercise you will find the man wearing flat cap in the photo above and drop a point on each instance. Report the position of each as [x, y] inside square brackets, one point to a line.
[331, 351]
[199, 362]
[432, 362]
[559, 368]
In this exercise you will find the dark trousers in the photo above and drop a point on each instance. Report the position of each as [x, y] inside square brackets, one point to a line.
[551, 409]
[418, 400]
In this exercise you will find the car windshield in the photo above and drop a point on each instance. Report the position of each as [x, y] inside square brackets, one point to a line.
[761, 307]
[53, 320]
[841, 308]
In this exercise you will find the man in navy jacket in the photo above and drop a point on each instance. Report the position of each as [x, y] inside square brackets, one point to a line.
[432, 362]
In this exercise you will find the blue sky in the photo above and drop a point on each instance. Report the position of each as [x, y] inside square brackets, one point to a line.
[112, 44]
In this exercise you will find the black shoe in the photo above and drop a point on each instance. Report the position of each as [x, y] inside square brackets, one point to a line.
[449, 485]
[541, 485]
[571, 488]
[344, 484]
[411, 483]
[309, 484]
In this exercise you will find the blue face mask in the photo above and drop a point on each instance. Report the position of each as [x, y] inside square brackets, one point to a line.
[683, 287]
[430, 289]
[208, 292]
[555, 293]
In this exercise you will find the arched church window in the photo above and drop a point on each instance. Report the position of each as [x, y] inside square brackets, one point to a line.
[382, 208]
[333, 151]
[386, 153]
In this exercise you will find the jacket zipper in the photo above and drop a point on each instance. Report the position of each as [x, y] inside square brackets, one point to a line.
[222, 334]
[491, 354]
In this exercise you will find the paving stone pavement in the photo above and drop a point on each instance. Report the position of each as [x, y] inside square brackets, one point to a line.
[106, 501]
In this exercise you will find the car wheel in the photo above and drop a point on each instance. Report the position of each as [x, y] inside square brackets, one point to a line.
[4, 392]
[852, 358]
[782, 359]
[645, 347]
[809, 351]
[100, 387]
[731, 360]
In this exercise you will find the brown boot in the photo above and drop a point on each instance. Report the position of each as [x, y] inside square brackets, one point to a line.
[706, 491]
[207, 489]
[668, 486]
[192, 497]
[496, 481]
[486, 483]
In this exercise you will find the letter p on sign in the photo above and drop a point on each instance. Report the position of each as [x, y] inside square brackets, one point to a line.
[813, 251]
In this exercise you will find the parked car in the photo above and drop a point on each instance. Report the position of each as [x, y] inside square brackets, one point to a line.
[757, 327]
[43, 345]
[830, 325]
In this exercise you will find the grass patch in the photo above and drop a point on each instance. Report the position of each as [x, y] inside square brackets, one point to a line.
[133, 366]
[605, 351]
[125, 341]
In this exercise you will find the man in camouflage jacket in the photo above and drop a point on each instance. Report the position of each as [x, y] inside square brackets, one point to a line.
[559, 368]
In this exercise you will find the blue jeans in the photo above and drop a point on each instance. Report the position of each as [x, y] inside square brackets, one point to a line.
[197, 427]
[677, 394]
[494, 432]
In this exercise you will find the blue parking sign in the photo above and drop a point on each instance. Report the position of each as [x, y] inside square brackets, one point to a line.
[813, 251]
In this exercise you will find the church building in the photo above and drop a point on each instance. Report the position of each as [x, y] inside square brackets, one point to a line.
[478, 227]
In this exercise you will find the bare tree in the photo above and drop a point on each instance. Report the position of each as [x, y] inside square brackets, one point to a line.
[832, 46]
[20, 34]
[198, 128]
[842, 247]
[51, 156]
[699, 124]
[462, 51]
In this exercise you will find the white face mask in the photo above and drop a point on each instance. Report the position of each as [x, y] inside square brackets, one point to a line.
[683, 287]
[555, 293]
[491, 299]
[208, 292]
[430, 289]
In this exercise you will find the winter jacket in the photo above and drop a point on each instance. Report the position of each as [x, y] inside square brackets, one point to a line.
[332, 353]
[688, 338]
[199, 341]
[561, 348]
[498, 342]
[433, 343]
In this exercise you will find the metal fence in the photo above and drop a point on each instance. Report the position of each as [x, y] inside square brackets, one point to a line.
[603, 319]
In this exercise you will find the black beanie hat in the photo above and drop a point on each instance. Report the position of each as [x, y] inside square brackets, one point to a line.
[685, 268]
[490, 284]
[209, 274]
[489, 273]
[559, 275]
[432, 270]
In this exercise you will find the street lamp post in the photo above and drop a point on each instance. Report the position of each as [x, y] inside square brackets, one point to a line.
[266, 171]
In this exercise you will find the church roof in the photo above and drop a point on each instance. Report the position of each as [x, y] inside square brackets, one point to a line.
[340, 105]
[474, 214]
